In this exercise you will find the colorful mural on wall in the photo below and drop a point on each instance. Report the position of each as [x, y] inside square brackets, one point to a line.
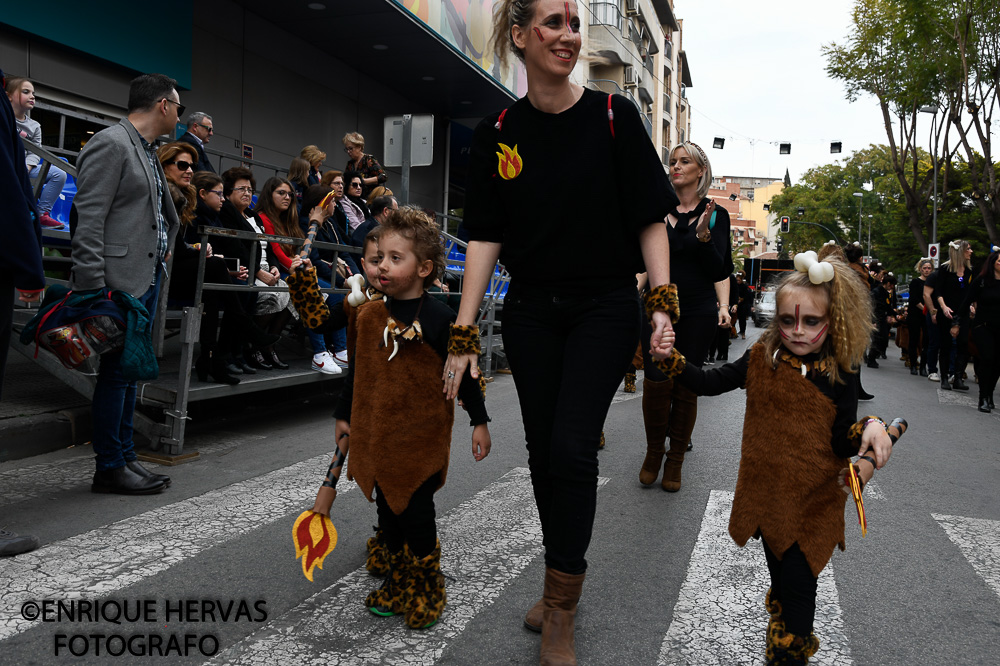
[467, 25]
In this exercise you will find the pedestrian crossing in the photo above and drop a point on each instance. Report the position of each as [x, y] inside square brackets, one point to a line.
[489, 542]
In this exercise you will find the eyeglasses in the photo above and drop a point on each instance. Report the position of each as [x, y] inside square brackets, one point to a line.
[246, 189]
[180, 107]
[283, 193]
[357, 185]
[207, 128]
[180, 164]
[217, 193]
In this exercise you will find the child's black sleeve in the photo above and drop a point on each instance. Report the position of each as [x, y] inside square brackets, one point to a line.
[846, 400]
[343, 409]
[716, 381]
[472, 398]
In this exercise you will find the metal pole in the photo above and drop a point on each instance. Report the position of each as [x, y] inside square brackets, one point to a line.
[407, 139]
[934, 210]
[447, 172]
[861, 203]
[869, 237]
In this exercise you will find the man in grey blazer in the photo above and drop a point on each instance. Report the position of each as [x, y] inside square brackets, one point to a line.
[126, 225]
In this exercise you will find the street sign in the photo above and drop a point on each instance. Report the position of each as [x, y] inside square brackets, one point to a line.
[247, 151]
[934, 252]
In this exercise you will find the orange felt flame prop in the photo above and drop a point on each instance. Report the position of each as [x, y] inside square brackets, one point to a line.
[315, 537]
[509, 166]
[855, 485]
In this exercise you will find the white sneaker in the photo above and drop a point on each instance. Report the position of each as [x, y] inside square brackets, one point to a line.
[341, 356]
[934, 377]
[323, 362]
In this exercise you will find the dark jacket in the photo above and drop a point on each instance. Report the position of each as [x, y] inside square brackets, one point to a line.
[203, 163]
[21, 250]
[247, 251]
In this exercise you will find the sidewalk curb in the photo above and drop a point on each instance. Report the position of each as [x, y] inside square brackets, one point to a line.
[43, 433]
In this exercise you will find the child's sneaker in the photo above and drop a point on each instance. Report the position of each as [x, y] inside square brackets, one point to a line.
[392, 597]
[341, 356]
[425, 605]
[377, 562]
[323, 362]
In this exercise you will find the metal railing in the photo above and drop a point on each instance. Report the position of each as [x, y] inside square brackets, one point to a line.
[606, 13]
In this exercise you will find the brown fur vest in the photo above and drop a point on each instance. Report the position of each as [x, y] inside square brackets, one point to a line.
[787, 486]
[400, 422]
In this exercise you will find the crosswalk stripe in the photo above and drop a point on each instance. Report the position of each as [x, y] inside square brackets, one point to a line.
[485, 544]
[110, 558]
[719, 617]
[33, 481]
[979, 541]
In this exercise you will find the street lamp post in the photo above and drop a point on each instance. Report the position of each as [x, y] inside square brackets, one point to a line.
[859, 195]
[870, 237]
[933, 110]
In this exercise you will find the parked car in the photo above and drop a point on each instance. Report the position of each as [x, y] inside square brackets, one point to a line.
[764, 309]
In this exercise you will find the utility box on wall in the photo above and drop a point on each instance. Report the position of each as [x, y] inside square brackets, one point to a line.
[421, 143]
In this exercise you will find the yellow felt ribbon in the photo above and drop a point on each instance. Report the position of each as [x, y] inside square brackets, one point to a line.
[315, 537]
[859, 503]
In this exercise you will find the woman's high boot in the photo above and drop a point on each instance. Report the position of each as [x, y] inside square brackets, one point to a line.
[682, 418]
[562, 594]
[656, 399]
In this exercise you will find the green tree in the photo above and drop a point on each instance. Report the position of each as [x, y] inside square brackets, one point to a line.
[896, 54]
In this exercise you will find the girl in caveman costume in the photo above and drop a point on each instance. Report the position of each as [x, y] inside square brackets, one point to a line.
[800, 428]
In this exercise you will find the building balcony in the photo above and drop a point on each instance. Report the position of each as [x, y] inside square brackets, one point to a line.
[611, 34]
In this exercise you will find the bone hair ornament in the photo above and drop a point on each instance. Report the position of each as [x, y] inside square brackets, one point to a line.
[955, 245]
[819, 271]
[357, 296]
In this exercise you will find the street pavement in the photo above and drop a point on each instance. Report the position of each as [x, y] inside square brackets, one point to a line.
[211, 565]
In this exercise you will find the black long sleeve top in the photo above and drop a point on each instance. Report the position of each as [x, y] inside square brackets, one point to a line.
[985, 293]
[695, 266]
[733, 375]
[435, 321]
[916, 298]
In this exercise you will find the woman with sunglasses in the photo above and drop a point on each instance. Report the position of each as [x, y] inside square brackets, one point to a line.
[561, 138]
[354, 205]
[217, 348]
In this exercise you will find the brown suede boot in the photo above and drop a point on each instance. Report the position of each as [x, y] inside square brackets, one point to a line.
[656, 398]
[562, 593]
[682, 418]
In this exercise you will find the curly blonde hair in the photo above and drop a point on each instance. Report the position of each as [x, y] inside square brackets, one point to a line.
[419, 228]
[849, 309]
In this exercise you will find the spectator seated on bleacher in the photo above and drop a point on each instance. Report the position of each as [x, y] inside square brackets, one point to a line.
[22, 99]
[280, 218]
[271, 310]
[380, 206]
[298, 176]
[216, 347]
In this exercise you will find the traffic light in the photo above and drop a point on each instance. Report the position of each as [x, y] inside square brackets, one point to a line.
[785, 223]
[779, 245]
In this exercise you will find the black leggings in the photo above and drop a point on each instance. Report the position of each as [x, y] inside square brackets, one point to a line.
[917, 325]
[946, 341]
[988, 343]
[793, 584]
[415, 525]
[567, 356]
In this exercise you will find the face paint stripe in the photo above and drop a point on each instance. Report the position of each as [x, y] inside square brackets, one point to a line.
[539, 33]
[798, 324]
[783, 334]
[819, 335]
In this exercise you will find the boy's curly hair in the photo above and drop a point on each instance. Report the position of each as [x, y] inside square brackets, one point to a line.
[419, 228]
[849, 309]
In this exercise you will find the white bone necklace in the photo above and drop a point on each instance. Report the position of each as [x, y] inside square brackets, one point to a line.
[407, 333]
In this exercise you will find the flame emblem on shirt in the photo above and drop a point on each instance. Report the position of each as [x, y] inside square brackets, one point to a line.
[510, 162]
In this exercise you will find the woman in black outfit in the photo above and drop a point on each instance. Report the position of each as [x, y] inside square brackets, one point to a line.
[949, 286]
[571, 323]
[745, 300]
[984, 294]
[700, 261]
[915, 320]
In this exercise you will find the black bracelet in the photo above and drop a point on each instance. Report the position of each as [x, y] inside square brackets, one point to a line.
[869, 459]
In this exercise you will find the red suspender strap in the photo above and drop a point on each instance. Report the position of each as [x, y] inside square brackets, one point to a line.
[499, 124]
[611, 117]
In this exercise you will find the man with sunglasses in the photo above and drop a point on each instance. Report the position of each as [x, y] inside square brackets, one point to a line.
[125, 224]
[199, 132]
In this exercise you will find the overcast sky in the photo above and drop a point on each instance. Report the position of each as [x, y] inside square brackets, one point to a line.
[758, 73]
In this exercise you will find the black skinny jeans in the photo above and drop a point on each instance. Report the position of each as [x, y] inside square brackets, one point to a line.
[415, 525]
[567, 356]
[917, 325]
[793, 584]
[961, 344]
[987, 341]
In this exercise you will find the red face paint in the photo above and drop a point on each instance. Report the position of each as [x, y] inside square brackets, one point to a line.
[819, 335]
[783, 334]
[539, 33]
[797, 320]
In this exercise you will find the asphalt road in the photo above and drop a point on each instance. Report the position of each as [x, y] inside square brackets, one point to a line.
[665, 584]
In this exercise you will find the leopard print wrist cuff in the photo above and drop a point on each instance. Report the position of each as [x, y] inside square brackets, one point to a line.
[464, 340]
[663, 298]
[855, 431]
[671, 366]
[307, 298]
